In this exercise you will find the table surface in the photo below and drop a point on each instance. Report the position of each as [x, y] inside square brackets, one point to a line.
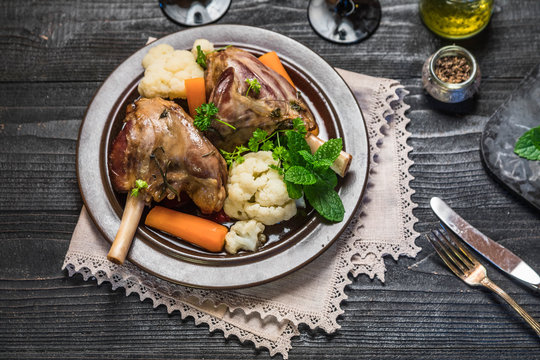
[55, 55]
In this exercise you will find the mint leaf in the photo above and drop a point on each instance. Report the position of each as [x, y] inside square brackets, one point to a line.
[295, 191]
[326, 201]
[295, 143]
[327, 177]
[323, 164]
[528, 145]
[536, 137]
[329, 150]
[300, 175]
[310, 159]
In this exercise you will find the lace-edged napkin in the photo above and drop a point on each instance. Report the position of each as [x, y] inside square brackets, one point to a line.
[269, 315]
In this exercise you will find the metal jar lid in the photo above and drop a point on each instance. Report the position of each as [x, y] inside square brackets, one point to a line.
[445, 91]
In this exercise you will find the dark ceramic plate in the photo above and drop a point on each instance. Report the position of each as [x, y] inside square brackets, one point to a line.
[519, 113]
[291, 244]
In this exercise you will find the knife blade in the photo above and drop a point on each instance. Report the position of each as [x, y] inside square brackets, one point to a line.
[494, 252]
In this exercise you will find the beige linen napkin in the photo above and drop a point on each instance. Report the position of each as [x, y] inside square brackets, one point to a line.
[269, 314]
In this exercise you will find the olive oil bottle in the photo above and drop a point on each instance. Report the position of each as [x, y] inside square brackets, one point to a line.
[456, 19]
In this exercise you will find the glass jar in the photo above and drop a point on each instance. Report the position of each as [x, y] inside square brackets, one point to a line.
[445, 91]
[456, 19]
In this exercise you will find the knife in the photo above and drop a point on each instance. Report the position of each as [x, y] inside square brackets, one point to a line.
[497, 254]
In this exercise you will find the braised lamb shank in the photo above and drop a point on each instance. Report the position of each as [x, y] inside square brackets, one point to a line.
[160, 145]
[273, 107]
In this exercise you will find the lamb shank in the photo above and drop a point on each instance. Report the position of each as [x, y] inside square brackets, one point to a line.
[272, 107]
[160, 145]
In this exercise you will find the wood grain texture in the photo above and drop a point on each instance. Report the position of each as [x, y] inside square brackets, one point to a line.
[55, 55]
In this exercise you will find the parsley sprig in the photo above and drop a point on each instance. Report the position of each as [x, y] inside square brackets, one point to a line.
[254, 85]
[528, 145]
[201, 57]
[304, 173]
[205, 114]
[139, 186]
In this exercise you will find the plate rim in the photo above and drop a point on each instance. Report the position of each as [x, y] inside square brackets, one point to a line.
[139, 245]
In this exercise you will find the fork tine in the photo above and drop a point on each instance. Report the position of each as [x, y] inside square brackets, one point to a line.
[451, 251]
[443, 254]
[450, 237]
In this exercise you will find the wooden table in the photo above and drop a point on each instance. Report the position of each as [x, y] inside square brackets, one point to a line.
[55, 55]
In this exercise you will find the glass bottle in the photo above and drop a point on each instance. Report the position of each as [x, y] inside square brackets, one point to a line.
[456, 19]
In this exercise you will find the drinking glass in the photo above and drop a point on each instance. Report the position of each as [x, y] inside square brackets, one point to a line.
[344, 21]
[194, 13]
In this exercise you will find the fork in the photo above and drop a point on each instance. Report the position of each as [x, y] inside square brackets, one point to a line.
[456, 256]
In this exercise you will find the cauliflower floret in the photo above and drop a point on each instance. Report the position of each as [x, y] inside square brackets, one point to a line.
[166, 69]
[244, 235]
[206, 46]
[256, 191]
[156, 53]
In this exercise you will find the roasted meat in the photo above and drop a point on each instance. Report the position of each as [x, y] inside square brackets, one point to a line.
[160, 145]
[273, 107]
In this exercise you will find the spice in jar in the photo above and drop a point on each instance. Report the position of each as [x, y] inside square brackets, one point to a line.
[453, 69]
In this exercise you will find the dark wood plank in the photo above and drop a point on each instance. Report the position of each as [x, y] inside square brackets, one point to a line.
[56, 54]
[86, 41]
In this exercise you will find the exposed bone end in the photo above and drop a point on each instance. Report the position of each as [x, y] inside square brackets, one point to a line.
[128, 226]
[342, 163]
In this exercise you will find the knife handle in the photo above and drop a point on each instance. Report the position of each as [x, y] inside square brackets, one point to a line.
[525, 315]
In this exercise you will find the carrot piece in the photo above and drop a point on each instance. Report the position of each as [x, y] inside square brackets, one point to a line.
[195, 93]
[193, 229]
[272, 61]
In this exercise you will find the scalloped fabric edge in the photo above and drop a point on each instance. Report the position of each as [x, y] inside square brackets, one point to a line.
[356, 257]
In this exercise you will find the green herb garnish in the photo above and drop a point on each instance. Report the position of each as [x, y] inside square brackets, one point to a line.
[205, 114]
[311, 174]
[304, 173]
[139, 185]
[528, 145]
[254, 85]
[221, 48]
[201, 57]
[235, 156]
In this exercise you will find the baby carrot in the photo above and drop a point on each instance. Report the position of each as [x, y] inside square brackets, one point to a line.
[195, 93]
[193, 229]
[271, 60]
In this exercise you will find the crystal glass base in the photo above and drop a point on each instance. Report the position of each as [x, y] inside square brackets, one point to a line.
[194, 13]
[344, 21]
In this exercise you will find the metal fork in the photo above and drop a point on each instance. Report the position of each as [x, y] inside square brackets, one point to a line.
[469, 269]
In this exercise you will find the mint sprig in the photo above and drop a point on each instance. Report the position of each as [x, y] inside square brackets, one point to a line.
[312, 172]
[528, 145]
